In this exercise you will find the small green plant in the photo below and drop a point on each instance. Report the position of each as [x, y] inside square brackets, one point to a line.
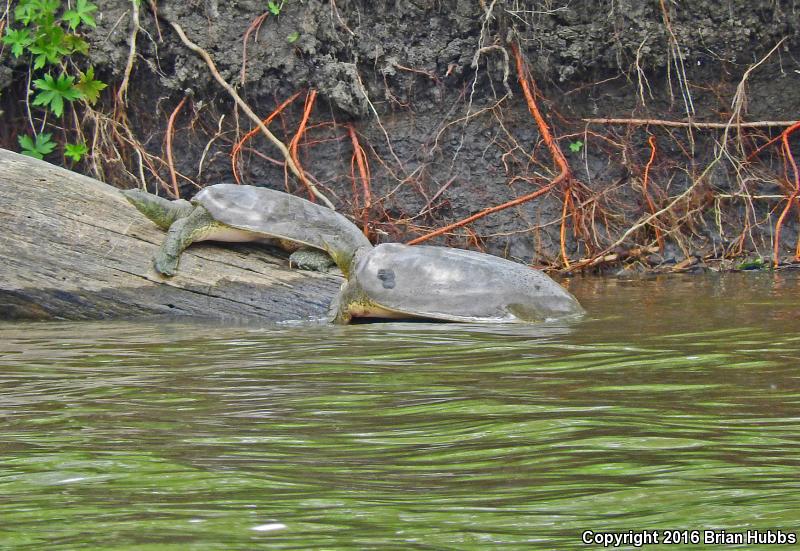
[576, 146]
[37, 147]
[292, 38]
[275, 7]
[82, 13]
[53, 92]
[753, 264]
[75, 151]
[49, 34]
[89, 86]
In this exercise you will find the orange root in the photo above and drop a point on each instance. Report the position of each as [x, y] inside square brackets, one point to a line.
[360, 159]
[791, 198]
[645, 178]
[170, 164]
[295, 143]
[236, 152]
[565, 175]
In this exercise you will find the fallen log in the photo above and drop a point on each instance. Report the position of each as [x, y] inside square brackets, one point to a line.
[72, 248]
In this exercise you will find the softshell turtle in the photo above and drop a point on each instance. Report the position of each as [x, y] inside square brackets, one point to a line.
[399, 281]
[318, 235]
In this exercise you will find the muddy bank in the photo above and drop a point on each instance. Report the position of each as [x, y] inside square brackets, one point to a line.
[430, 92]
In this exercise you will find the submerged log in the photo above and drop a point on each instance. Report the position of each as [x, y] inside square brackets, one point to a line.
[73, 248]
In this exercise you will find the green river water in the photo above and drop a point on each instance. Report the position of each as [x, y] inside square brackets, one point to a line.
[673, 405]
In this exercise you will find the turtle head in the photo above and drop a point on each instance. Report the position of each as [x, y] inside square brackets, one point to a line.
[162, 212]
[342, 251]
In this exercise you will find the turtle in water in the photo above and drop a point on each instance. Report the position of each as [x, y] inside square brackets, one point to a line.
[318, 236]
[439, 283]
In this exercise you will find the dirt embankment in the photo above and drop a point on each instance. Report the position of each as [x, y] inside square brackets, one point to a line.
[420, 118]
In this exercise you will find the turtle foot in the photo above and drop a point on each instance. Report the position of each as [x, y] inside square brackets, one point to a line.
[167, 267]
[311, 259]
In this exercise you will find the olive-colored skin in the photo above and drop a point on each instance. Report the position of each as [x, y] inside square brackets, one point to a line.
[234, 213]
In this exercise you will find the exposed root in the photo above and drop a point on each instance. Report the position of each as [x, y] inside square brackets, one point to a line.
[363, 90]
[236, 151]
[506, 65]
[251, 114]
[360, 160]
[170, 129]
[301, 130]
[565, 175]
[122, 92]
[214, 138]
[252, 28]
[677, 58]
[485, 212]
[562, 234]
[692, 124]
[790, 199]
[647, 198]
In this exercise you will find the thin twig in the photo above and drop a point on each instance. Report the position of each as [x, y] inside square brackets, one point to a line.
[691, 124]
[122, 92]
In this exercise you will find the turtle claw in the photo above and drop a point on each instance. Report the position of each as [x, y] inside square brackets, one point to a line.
[166, 267]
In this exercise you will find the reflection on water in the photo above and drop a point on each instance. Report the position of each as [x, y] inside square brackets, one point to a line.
[674, 405]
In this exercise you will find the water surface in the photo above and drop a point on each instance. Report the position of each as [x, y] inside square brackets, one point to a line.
[675, 404]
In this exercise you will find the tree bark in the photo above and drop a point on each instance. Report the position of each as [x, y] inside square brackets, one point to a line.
[72, 248]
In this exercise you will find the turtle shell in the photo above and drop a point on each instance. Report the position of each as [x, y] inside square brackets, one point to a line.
[278, 215]
[458, 285]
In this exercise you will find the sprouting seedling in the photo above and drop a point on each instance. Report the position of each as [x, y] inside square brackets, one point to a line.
[75, 151]
[576, 146]
[275, 7]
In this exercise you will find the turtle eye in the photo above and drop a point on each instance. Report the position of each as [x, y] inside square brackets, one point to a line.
[387, 278]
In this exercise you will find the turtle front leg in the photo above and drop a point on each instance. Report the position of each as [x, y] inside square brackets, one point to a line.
[182, 233]
[338, 310]
[311, 259]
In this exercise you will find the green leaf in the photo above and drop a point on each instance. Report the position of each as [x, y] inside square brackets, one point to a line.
[576, 146]
[89, 87]
[18, 39]
[36, 11]
[75, 151]
[76, 44]
[82, 13]
[49, 47]
[755, 264]
[292, 38]
[274, 7]
[39, 147]
[52, 92]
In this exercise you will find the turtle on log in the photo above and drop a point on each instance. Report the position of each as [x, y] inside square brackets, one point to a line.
[238, 213]
[391, 280]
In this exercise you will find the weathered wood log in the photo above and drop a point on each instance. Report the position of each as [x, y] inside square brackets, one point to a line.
[73, 248]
